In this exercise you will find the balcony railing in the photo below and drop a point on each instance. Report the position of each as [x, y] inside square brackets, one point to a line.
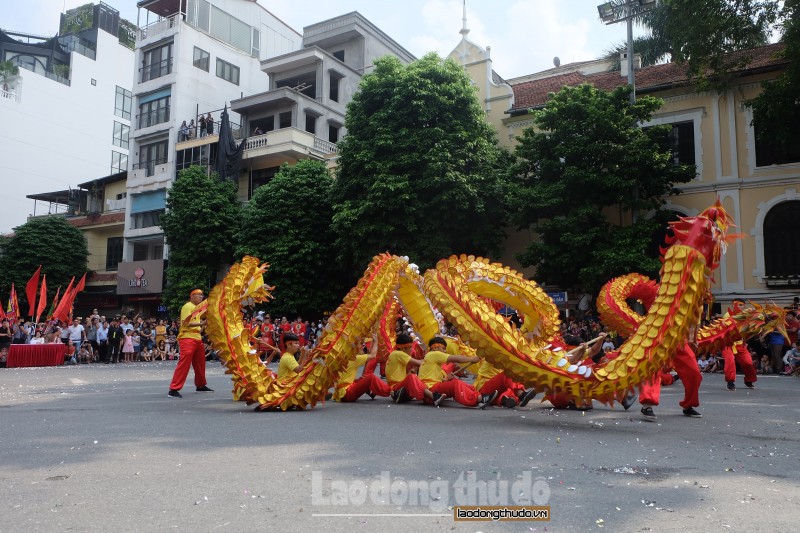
[294, 135]
[158, 27]
[9, 95]
[152, 117]
[156, 70]
[78, 44]
[149, 166]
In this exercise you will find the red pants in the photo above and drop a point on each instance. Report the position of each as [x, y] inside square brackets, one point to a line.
[666, 378]
[741, 357]
[459, 391]
[504, 384]
[192, 354]
[413, 386]
[365, 384]
[685, 364]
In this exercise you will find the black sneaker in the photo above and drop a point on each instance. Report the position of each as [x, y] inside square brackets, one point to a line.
[749, 385]
[527, 396]
[371, 395]
[731, 385]
[204, 388]
[648, 413]
[174, 394]
[487, 399]
[676, 377]
[507, 401]
[692, 413]
[629, 400]
[438, 398]
[397, 396]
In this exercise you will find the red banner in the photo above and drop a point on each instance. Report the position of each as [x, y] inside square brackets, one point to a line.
[30, 290]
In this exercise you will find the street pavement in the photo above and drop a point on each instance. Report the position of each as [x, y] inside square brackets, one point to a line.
[102, 448]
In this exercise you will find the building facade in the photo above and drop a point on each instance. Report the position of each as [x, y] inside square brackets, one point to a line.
[757, 182]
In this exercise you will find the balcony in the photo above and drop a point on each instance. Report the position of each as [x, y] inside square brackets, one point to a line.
[288, 143]
[158, 29]
[9, 94]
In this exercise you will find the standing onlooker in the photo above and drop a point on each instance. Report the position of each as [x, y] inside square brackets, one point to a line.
[115, 335]
[209, 124]
[91, 335]
[201, 124]
[192, 132]
[127, 347]
[775, 341]
[183, 132]
[102, 342]
[77, 334]
[20, 334]
[6, 334]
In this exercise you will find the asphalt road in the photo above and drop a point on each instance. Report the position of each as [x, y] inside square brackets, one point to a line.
[102, 448]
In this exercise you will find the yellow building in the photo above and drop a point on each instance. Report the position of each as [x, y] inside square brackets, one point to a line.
[757, 183]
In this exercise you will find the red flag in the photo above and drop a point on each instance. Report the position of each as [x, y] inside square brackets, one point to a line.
[60, 312]
[13, 305]
[65, 307]
[42, 298]
[2, 312]
[30, 290]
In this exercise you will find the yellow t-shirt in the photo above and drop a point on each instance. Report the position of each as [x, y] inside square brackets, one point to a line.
[396, 367]
[431, 373]
[485, 372]
[286, 367]
[187, 332]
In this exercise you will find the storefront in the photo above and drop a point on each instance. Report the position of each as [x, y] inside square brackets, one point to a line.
[140, 285]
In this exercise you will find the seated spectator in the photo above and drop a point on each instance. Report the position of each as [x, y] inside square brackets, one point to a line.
[703, 363]
[84, 355]
[3, 357]
[765, 367]
[791, 360]
[69, 357]
[37, 338]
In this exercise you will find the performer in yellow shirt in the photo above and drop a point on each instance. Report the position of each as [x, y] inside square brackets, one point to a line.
[190, 341]
[289, 367]
[350, 389]
[491, 378]
[432, 375]
[404, 384]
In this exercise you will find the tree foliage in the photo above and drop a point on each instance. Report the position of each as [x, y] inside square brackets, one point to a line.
[50, 241]
[287, 224]
[419, 173]
[584, 162]
[200, 225]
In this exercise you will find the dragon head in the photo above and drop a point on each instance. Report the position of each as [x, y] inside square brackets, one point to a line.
[706, 232]
[755, 319]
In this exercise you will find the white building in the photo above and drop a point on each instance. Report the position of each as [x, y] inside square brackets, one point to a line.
[64, 116]
[192, 58]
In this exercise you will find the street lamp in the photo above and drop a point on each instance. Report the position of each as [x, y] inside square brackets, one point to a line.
[618, 10]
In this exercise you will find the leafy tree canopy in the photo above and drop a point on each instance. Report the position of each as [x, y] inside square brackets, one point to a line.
[419, 173]
[287, 224]
[200, 224]
[50, 241]
[585, 162]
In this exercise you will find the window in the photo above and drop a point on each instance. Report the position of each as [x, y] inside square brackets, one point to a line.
[304, 83]
[148, 219]
[113, 252]
[154, 112]
[156, 62]
[334, 92]
[261, 177]
[119, 162]
[151, 155]
[682, 141]
[256, 49]
[123, 103]
[201, 59]
[227, 72]
[311, 123]
[263, 124]
[333, 133]
[339, 54]
[122, 195]
[285, 120]
[782, 240]
[121, 132]
[771, 152]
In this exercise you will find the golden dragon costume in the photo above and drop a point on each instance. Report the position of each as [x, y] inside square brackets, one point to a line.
[457, 288]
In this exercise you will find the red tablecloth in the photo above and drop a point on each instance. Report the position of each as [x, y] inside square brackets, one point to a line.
[36, 355]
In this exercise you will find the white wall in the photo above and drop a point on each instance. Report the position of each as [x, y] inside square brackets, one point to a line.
[56, 135]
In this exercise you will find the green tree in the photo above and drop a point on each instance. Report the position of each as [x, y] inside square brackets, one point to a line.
[200, 225]
[287, 224]
[50, 241]
[585, 161]
[419, 173]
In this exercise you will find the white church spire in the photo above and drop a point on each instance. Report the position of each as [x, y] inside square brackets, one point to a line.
[464, 30]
